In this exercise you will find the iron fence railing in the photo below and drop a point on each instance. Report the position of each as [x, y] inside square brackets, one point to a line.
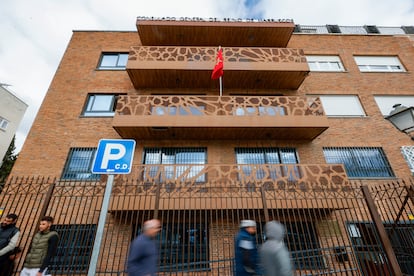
[330, 230]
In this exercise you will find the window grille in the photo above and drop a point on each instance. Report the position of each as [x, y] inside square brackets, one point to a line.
[192, 157]
[74, 248]
[267, 156]
[360, 162]
[183, 246]
[79, 164]
[303, 244]
[408, 152]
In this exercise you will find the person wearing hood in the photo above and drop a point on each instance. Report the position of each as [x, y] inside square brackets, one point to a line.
[274, 254]
[246, 255]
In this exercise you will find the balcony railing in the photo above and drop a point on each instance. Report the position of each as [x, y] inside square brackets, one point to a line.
[184, 181]
[227, 117]
[173, 66]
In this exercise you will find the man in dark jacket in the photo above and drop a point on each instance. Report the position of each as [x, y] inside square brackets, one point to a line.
[246, 256]
[9, 235]
[143, 253]
[274, 253]
[42, 249]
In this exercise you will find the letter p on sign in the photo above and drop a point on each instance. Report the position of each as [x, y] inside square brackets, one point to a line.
[114, 156]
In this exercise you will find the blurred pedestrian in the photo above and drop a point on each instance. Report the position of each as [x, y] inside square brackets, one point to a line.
[42, 249]
[143, 253]
[9, 236]
[246, 255]
[274, 254]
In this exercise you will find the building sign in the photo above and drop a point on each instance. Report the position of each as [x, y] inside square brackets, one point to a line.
[214, 19]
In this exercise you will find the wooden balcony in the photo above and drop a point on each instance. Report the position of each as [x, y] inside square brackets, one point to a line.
[214, 33]
[215, 117]
[191, 67]
[235, 185]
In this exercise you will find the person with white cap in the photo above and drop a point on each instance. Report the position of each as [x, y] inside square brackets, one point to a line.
[246, 255]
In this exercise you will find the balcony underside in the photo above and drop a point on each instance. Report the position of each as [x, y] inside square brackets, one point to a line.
[234, 133]
[187, 33]
[173, 78]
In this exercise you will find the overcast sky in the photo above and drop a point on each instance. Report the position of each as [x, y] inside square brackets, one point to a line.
[35, 33]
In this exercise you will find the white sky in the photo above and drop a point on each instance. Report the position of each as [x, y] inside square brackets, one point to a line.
[34, 33]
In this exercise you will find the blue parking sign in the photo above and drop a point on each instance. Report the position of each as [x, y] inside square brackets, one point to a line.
[114, 156]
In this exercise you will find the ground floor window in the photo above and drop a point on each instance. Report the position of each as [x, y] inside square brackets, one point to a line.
[183, 247]
[303, 244]
[368, 249]
[74, 248]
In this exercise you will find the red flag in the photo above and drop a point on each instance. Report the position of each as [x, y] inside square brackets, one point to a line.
[218, 68]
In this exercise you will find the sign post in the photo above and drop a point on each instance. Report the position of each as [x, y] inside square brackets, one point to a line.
[113, 156]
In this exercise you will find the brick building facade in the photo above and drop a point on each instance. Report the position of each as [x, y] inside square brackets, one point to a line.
[297, 110]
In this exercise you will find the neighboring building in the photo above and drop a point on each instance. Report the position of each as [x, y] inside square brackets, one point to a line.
[300, 105]
[12, 110]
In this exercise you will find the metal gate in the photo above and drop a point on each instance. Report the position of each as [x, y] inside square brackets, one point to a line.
[350, 230]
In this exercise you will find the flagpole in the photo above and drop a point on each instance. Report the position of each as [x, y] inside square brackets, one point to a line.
[221, 87]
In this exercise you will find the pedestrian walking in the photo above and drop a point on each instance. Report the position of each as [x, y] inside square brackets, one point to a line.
[143, 253]
[274, 254]
[246, 255]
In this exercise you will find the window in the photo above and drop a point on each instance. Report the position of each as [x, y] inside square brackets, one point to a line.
[408, 153]
[113, 61]
[379, 64]
[267, 156]
[182, 110]
[74, 248]
[342, 105]
[260, 111]
[325, 63]
[183, 247]
[386, 103]
[303, 244]
[191, 157]
[79, 164]
[360, 162]
[3, 123]
[100, 105]
[368, 249]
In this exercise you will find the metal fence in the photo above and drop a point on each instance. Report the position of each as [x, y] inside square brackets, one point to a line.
[331, 230]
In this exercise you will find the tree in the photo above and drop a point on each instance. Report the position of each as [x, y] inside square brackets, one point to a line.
[8, 161]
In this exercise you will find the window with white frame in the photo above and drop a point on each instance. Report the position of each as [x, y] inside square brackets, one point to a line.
[325, 63]
[3, 123]
[260, 111]
[386, 103]
[100, 105]
[379, 64]
[79, 164]
[186, 164]
[342, 105]
[113, 61]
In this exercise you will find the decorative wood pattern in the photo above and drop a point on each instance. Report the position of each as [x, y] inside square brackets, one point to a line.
[218, 106]
[214, 117]
[200, 178]
[171, 66]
